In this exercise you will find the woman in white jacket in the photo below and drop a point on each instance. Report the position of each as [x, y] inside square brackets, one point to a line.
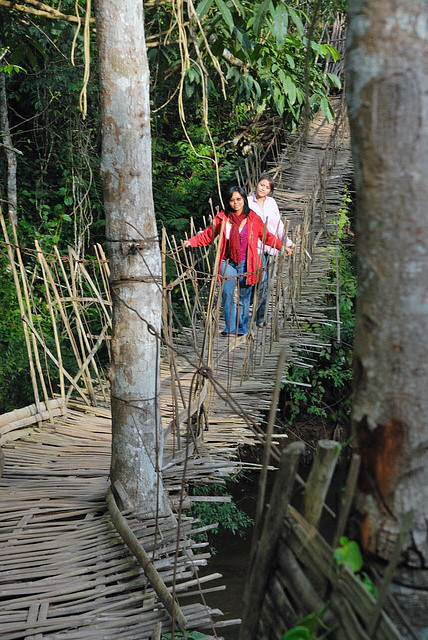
[266, 207]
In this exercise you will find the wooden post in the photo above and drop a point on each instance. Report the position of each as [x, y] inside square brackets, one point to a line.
[267, 449]
[157, 630]
[264, 552]
[151, 573]
[319, 479]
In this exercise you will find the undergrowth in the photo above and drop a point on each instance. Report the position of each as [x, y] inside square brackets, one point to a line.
[226, 515]
[322, 400]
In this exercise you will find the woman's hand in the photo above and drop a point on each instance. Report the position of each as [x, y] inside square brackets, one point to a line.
[289, 247]
[186, 244]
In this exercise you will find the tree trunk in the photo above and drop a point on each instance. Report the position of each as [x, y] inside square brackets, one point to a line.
[388, 110]
[12, 198]
[134, 252]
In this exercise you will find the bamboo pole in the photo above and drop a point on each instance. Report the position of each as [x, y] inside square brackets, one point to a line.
[166, 329]
[208, 337]
[83, 339]
[93, 287]
[267, 449]
[102, 262]
[86, 362]
[66, 322]
[319, 479]
[22, 310]
[267, 544]
[183, 288]
[157, 630]
[29, 314]
[54, 360]
[54, 327]
[405, 527]
[141, 556]
[351, 484]
[27, 412]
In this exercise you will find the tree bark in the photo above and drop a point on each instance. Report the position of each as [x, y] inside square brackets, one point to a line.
[12, 197]
[134, 252]
[388, 110]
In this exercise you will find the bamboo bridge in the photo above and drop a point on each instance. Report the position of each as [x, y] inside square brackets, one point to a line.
[66, 572]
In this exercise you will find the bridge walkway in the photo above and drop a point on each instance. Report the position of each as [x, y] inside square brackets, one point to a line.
[66, 574]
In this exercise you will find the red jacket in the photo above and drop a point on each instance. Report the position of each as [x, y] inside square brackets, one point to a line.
[255, 232]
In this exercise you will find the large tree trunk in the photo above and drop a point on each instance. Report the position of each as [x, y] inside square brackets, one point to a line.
[12, 198]
[388, 109]
[134, 251]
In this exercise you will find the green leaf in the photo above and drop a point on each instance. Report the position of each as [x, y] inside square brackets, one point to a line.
[335, 80]
[190, 635]
[296, 19]
[243, 39]
[313, 99]
[349, 553]
[203, 8]
[260, 16]
[369, 584]
[326, 110]
[300, 95]
[232, 72]
[290, 89]
[332, 51]
[298, 633]
[280, 25]
[290, 61]
[316, 47]
[226, 14]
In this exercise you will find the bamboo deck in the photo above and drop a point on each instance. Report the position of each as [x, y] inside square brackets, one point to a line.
[66, 573]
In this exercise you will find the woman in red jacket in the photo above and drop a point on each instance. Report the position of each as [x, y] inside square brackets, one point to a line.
[240, 229]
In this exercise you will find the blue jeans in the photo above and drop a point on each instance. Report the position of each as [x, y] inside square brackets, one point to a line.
[263, 290]
[232, 311]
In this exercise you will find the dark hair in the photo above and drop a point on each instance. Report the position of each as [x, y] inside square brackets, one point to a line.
[266, 176]
[228, 195]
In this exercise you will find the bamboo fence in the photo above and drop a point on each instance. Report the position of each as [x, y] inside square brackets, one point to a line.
[294, 573]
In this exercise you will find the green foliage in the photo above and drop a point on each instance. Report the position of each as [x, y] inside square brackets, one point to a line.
[183, 182]
[267, 50]
[368, 583]
[224, 514]
[328, 399]
[307, 628]
[190, 635]
[348, 553]
[15, 381]
[299, 632]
